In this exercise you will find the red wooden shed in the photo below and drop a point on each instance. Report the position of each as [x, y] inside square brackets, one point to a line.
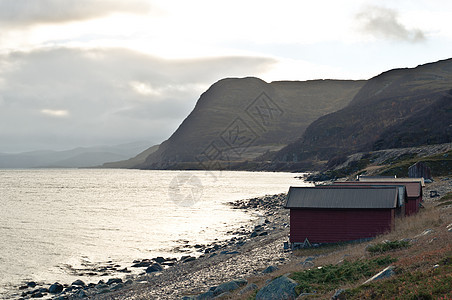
[328, 215]
[413, 192]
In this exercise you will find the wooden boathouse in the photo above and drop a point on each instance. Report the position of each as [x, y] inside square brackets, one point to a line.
[327, 214]
[413, 190]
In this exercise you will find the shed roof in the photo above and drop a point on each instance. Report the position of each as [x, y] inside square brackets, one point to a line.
[390, 179]
[344, 197]
[401, 189]
[413, 188]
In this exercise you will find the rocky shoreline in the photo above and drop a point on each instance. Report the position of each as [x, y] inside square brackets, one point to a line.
[207, 267]
[215, 270]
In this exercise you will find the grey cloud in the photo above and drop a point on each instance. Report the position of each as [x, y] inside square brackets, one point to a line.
[95, 89]
[383, 22]
[29, 12]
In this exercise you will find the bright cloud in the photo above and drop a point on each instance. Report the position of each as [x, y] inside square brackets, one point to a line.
[28, 12]
[383, 22]
[111, 95]
[55, 112]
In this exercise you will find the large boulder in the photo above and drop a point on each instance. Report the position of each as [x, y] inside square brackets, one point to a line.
[78, 282]
[225, 287]
[56, 288]
[270, 269]
[248, 288]
[281, 288]
[142, 264]
[154, 268]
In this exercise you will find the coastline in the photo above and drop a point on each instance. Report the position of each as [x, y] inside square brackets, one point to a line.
[240, 258]
[244, 258]
[252, 248]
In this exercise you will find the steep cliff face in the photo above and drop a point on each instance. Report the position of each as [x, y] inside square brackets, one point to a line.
[240, 119]
[399, 108]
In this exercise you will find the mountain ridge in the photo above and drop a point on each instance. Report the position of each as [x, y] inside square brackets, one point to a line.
[239, 119]
[387, 112]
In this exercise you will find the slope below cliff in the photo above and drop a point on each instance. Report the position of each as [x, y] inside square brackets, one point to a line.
[399, 108]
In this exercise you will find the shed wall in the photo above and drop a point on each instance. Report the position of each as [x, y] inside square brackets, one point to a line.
[412, 205]
[333, 225]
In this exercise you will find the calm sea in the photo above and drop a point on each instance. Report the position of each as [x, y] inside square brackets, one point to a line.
[53, 220]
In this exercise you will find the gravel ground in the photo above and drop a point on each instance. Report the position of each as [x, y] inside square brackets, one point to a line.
[442, 185]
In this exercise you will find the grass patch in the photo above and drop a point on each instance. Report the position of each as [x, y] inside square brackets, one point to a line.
[387, 246]
[445, 200]
[435, 283]
[445, 203]
[446, 197]
[330, 277]
[440, 164]
[401, 158]
[323, 249]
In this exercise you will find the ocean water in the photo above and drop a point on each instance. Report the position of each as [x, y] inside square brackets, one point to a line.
[55, 220]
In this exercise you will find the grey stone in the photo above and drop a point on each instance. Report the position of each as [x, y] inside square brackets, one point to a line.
[56, 288]
[78, 282]
[241, 282]
[142, 264]
[101, 286]
[103, 291]
[248, 288]
[225, 294]
[449, 227]
[154, 268]
[307, 264]
[114, 280]
[337, 294]
[31, 284]
[37, 295]
[270, 269]
[303, 295]
[205, 296]
[279, 288]
[81, 294]
[426, 232]
[128, 281]
[225, 287]
[117, 287]
[191, 258]
[386, 273]
[159, 259]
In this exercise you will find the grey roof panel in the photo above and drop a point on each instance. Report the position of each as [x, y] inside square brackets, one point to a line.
[346, 197]
[401, 189]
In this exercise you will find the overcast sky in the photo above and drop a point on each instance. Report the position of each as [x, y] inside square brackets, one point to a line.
[94, 72]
